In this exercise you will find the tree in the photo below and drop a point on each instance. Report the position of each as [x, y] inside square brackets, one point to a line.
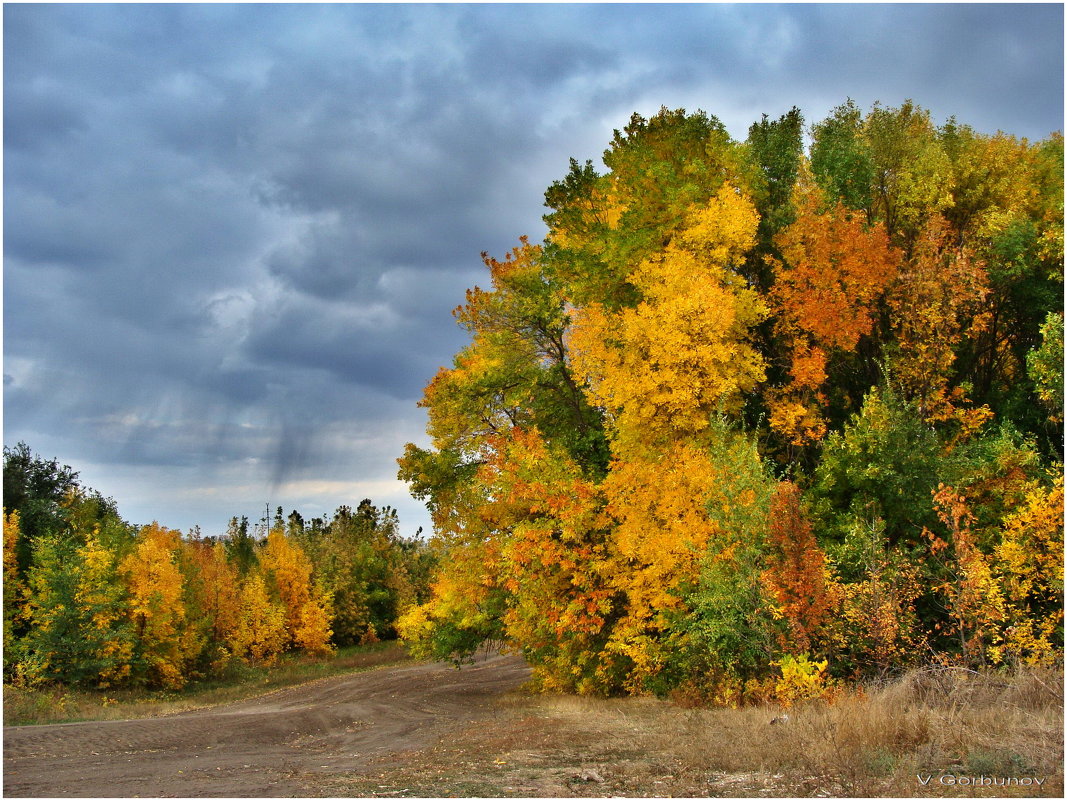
[911, 175]
[307, 613]
[841, 159]
[722, 640]
[261, 632]
[828, 288]
[370, 572]
[214, 586]
[684, 352]
[13, 590]
[602, 227]
[797, 574]
[553, 559]
[884, 465]
[79, 629]
[36, 488]
[867, 321]
[974, 603]
[241, 545]
[166, 642]
[936, 304]
[1045, 365]
[1028, 564]
[777, 149]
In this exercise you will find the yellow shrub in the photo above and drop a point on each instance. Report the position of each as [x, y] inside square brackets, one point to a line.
[801, 679]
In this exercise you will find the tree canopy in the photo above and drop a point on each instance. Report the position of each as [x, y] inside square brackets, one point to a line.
[754, 416]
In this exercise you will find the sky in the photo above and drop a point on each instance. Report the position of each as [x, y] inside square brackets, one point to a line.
[234, 234]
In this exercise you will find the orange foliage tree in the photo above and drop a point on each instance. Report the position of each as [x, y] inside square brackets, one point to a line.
[833, 272]
[797, 574]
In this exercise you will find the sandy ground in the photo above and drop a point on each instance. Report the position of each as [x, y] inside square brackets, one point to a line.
[294, 742]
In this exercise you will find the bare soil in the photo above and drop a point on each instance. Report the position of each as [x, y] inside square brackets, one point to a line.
[293, 742]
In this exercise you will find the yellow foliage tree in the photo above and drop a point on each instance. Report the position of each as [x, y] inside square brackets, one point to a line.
[313, 633]
[936, 305]
[1028, 564]
[307, 612]
[664, 367]
[662, 533]
[12, 588]
[261, 633]
[218, 597]
[166, 644]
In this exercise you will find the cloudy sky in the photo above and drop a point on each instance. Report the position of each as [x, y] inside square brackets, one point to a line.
[234, 235]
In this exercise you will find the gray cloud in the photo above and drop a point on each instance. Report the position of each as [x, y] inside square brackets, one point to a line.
[234, 234]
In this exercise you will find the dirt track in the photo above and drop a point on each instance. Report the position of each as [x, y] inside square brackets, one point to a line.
[288, 743]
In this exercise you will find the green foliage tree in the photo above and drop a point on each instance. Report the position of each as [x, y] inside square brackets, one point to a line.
[777, 148]
[36, 488]
[79, 629]
[1045, 364]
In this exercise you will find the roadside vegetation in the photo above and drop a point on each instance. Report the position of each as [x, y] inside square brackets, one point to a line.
[62, 704]
[94, 602]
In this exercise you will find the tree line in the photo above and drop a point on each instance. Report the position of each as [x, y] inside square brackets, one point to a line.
[757, 417]
[92, 600]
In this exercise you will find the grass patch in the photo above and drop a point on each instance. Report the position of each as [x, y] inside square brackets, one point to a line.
[60, 704]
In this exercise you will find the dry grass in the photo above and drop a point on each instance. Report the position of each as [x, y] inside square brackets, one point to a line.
[936, 723]
[876, 744]
[941, 724]
[64, 705]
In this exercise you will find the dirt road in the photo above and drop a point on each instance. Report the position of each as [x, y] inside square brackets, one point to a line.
[289, 743]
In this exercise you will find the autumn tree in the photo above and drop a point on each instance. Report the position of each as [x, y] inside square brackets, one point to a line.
[602, 226]
[79, 630]
[936, 305]
[261, 627]
[873, 318]
[553, 559]
[214, 586]
[1027, 563]
[306, 607]
[12, 587]
[973, 599]
[828, 286]
[166, 643]
[684, 352]
[797, 574]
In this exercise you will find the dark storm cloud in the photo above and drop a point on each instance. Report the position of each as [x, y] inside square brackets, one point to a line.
[234, 234]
